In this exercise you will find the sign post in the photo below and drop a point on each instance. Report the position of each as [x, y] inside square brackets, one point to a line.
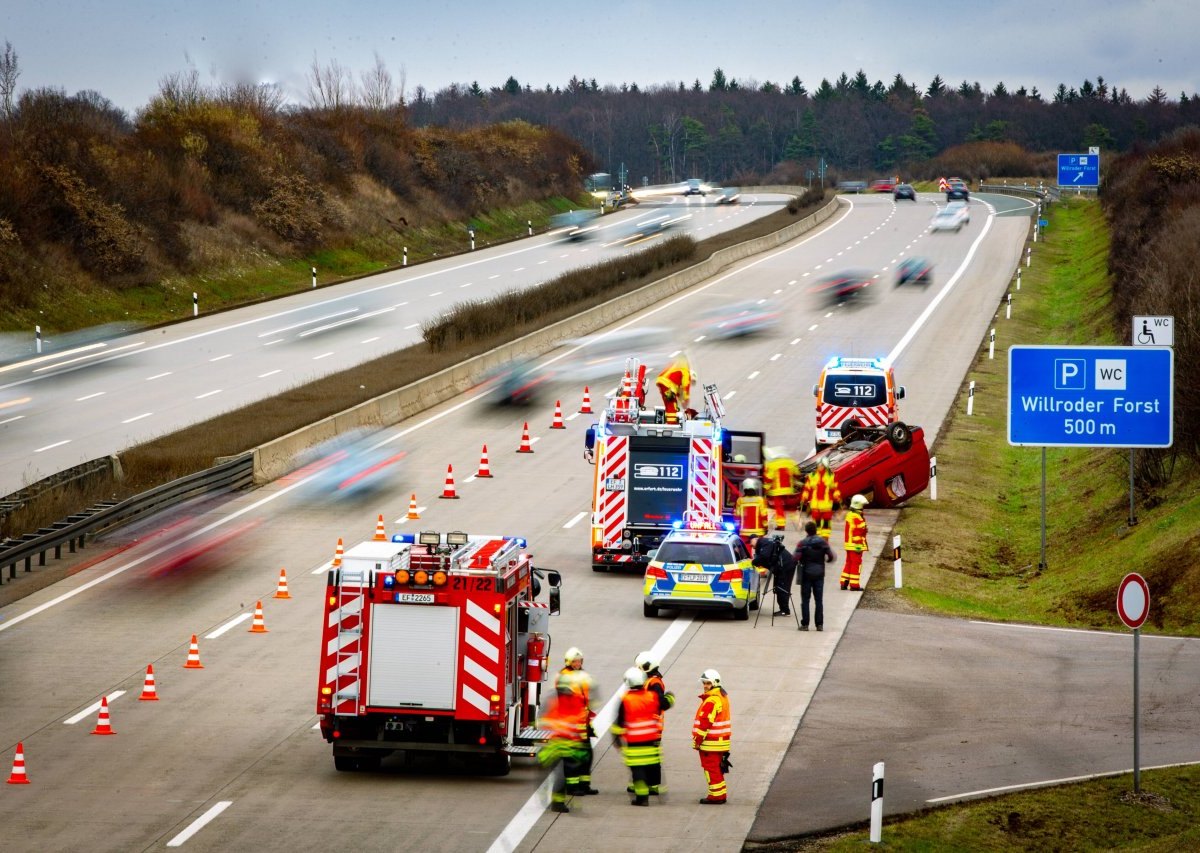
[1133, 605]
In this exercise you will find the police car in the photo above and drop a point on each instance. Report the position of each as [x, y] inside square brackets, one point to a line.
[701, 569]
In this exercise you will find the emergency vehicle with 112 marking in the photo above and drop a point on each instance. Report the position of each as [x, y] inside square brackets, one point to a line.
[434, 644]
[855, 392]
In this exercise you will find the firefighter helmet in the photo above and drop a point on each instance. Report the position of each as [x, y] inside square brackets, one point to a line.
[858, 502]
[646, 662]
[711, 676]
[634, 678]
[739, 457]
[572, 654]
[750, 486]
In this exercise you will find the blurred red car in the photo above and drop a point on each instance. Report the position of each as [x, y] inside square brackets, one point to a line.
[883, 185]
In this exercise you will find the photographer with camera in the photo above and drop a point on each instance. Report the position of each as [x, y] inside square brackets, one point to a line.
[773, 557]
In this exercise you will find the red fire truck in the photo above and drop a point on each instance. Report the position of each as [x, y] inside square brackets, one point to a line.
[434, 643]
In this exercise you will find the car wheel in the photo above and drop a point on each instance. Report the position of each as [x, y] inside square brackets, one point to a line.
[498, 764]
[899, 435]
[850, 427]
[649, 610]
[742, 615]
[345, 763]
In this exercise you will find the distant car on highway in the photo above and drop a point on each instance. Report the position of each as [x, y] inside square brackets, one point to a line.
[738, 320]
[694, 186]
[947, 219]
[957, 190]
[963, 209]
[914, 270]
[848, 284]
[727, 195]
[883, 185]
[904, 191]
[852, 186]
[576, 224]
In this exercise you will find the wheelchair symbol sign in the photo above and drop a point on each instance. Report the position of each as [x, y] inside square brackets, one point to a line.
[1153, 331]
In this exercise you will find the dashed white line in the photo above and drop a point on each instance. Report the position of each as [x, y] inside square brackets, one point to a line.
[370, 340]
[411, 326]
[199, 823]
[490, 277]
[89, 397]
[794, 341]
[93, 708]
[207, 394]
[814, 325]
[468, 284]
[575, 520]
[309, 322]
[699, 339]
[221, 357]
[10, 420]
[322, 355]
[753, 375]
[236, 620]
[270, 373]
[137, 417]
[519, 269]
[436, 293]
[52, 446]
[729, 396]
[775, 357]
[272, 343]
[158, 376]
[573, 416]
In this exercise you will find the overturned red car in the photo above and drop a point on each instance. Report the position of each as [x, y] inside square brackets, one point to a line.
[885, 465]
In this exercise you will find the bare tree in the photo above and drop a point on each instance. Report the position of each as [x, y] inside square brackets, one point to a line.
[331, 87]
[10, 70]
[377, 87]
[182, 88]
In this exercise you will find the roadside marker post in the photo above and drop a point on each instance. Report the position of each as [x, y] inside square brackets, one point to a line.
[37, 332]
[877, 804]
[195, 304]
[314, 277]
[933, 478]
[404, 263]
[897, 562]
[1008, 307]
[971, 398]
[992, 344]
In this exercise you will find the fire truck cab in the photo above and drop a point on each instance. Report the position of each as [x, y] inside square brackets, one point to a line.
[862, 390]
[434, 643]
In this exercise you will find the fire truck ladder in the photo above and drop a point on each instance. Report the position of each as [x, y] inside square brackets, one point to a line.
[351, 599]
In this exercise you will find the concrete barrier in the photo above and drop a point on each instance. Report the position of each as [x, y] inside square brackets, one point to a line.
[277, 457]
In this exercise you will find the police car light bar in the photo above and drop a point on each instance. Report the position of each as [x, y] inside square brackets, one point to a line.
[404, 538]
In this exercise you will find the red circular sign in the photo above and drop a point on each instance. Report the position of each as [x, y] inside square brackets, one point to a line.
[1133, 600]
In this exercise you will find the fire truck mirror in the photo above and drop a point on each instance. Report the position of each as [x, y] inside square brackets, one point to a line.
[555, 581]
[589, 439]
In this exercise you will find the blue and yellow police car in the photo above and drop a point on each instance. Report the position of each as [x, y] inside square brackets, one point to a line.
[702, 569]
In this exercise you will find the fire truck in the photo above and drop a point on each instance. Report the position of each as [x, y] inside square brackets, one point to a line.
[651, 472]
[434, 643]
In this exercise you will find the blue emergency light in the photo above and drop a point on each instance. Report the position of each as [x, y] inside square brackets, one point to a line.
[389, 581]
[404, 538]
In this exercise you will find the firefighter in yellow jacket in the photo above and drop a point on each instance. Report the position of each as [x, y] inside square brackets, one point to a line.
[780, 476]
[712, 731]
[751, 511]
[574, 687]
[822, 496]
[638, 731]
[675, 385]
[856, 542]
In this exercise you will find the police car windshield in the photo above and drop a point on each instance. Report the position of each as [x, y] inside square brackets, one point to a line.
[855, 390]
[705, 553]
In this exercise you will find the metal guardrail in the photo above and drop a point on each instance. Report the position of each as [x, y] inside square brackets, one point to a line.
[1042, 192]
[234, 473]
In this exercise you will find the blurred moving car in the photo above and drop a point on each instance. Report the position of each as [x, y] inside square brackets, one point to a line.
[576, 224]
[957, 190]
[694, 186]
[516, 383]
[886, 465]
[727, 195]
[947, 219]
[735, 321]
[904, 191]
[915, 270]
[852, 186]
[604, 356]
[962, 208]
[883, 185]
[849, 284]
[353, 463]
[708, 569]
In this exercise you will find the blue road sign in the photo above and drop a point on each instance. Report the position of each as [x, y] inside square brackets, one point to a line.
[1091, 396]
[1079, 170]
[1042, 223]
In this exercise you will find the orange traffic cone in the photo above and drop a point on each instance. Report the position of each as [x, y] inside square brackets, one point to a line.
[149, 693]
[526, 446]
[281, 590]
[193, 661]
[412, 508]
[338, 554]
[103, 726]
[484, 470]
[258, 626]
[448, 489]
[558, 421]
[18, 776]
[586, 408]
[380, 530]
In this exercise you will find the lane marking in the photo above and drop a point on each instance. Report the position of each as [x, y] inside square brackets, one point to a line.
[328, 564]
[158, 376]
[370, 340]
[52, 446]
[89, 397]
[10, 420]
[322, 355]
[272, 343]
[84, 358]
[208, 394]
[754, 375]
[578, 518]
[305, 323]
[269, 373]
[236, 620]
[221, 357]
[93, 708]
[436, 293]
[199, 823]
[137, 417]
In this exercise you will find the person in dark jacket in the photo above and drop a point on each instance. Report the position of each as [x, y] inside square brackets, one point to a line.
[771, 555]
[812, 553]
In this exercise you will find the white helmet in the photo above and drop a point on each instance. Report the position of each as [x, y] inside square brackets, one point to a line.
[572, 654]
[751, 483]
[634, 678]
[711, 675]
[858, 502]
[646, 662]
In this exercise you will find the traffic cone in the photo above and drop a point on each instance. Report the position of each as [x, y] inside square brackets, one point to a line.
[193, 661]
[337, 555]
[412, 508]
[484, 470]
[380, 530]
[18, 776]
[258, 626]
[281, 590]
[558, 421]
[586, 408]
[526, 446]
[103, 726]
[448, 489]
[149, 693]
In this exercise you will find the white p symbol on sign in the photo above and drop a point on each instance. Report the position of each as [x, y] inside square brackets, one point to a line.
[1069, 375]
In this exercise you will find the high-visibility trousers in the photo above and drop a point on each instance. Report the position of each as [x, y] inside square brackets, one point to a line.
[711, 762]
[850, 571]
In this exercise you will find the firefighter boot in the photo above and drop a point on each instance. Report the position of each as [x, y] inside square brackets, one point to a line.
[640, 800]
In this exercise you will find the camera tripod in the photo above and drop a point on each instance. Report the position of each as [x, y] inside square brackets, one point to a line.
[766, 584]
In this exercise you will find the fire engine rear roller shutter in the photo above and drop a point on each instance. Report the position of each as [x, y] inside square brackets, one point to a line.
[413, 656]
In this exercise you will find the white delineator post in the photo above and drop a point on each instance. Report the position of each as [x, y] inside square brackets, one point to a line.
[933, 478]
[530, 223]
[897, 561]
[992, 345]
[471, 231]
[1018, 278]
[405, 261]
[1008, 307]
[37, 333]
[877, 804]
[195, 304]
[971, 398]
[1028, 253]
[314, 275]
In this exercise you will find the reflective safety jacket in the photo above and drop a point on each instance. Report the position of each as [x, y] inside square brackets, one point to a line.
[856, 531]
[574, 688]
[655, 684]
[560, 719]
[639, 719]
[712, 729]
[779, 477]
[751, 514]
[821, 490]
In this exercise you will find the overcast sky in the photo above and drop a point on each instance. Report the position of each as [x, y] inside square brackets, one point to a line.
[123, 48]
